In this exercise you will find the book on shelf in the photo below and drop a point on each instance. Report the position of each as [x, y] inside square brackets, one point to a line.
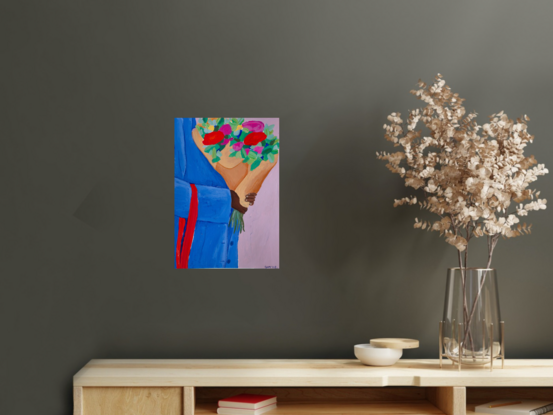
[247, 401]
[247, 404]
[515, 407]
[242, 411]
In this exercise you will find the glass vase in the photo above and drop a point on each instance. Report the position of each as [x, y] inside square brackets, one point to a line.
[471, 332]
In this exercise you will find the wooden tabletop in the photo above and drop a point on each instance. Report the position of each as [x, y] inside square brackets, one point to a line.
[305, 373]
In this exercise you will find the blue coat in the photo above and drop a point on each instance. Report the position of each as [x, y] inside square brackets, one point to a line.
[215, 244]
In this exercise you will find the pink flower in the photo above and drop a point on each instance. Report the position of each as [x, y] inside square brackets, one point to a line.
[258, 149]
[226, 129]
[226, 141]
[247, 150]
[237, 146]
[254, 126]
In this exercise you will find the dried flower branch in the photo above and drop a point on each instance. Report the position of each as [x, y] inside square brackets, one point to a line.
[475, 178]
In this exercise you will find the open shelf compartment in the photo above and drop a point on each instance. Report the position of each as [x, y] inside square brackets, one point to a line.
[350, 401]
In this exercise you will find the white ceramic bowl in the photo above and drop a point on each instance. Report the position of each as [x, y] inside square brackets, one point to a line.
[376, 356]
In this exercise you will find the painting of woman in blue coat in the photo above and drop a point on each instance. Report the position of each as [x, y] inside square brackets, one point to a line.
[220, 166]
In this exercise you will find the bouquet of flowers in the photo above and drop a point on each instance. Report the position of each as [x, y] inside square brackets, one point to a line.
[251, 141]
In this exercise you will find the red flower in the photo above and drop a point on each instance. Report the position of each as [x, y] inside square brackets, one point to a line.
[254, 138]
[213, 138]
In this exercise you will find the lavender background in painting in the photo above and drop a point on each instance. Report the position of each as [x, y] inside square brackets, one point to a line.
[258, 246]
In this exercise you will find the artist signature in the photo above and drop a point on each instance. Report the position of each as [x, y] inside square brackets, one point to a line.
[270, 267]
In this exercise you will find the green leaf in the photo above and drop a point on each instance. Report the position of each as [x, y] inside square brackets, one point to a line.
[269, 129]
[233, 154]
[267, 150]
[255, 164]
[243, 153]
[252, 155]
[213, 152]
[215, 160]
[220, 122]
[204, 120]
[271, 157]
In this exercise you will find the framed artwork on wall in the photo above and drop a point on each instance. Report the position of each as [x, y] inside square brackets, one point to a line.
[226, 193]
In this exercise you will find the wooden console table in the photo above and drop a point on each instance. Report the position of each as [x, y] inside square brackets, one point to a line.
[321, 387]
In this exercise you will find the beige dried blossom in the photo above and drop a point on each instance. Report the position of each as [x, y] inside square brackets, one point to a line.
[475, 178]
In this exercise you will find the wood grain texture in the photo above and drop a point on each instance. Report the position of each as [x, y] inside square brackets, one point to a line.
[298, 373]
[132, 401]
[330, 408]
[450, 400]
[303, 395]
[395, 343]
[189, 400]
[77, 400]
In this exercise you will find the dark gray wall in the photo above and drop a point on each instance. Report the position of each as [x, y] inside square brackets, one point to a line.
[89, 92]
